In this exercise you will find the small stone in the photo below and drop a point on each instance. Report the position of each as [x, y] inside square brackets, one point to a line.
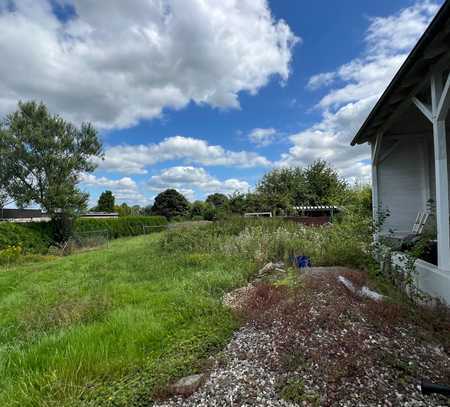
[187, 385]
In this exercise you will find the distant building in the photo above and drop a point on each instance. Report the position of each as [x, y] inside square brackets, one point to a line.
[315, 215]
[258, 215]
[100, 215]
[23, 215]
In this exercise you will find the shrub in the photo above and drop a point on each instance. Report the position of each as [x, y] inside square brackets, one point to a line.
[121, 227]
[31, 237]
[9, 255]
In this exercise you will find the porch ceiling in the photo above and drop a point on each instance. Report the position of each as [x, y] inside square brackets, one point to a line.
[394, 105]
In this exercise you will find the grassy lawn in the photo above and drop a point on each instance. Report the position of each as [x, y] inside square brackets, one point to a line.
[111, 326]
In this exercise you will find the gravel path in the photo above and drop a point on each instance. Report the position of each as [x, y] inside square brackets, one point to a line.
[242, 375]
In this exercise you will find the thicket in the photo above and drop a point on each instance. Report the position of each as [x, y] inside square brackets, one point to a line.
[30, 237]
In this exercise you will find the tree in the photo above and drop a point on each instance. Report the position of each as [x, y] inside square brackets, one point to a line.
[4, 198]
[136, 210]
[148, 210]
[106, 202]
[318, 184]
[236, 203]
[197, 209]
[204, 210]
[41, 159]
[282, 188]
[170, 204]
[220, 201]
[123, 209]
[323, 184]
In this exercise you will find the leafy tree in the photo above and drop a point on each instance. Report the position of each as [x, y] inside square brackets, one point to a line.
[148, 210]
[282, 188]
[136, 210]
[210, 212]
[359, 199]
[318, 184]
[123, 209]
[41, 159]
[4, 198]
[323, 184]
[203, 210]
[106, 202]
[197, 209]
[236, 203]
[170, 204]
[254, 203]
[220, 201]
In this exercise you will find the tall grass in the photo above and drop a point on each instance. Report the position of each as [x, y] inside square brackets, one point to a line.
[111, 326]
[347, 242]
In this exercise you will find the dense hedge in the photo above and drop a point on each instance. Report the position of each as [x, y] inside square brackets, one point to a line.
[31, 237]
[121, 227]
[37, 237]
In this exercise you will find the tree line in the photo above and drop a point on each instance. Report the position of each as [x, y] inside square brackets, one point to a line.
[42, 157]
[279, 191]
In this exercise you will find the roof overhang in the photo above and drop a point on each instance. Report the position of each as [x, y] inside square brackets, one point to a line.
[432, 48]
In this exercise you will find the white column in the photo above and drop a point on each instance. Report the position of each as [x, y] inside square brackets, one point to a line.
[441, 169]
[375, 201]
[376, 145]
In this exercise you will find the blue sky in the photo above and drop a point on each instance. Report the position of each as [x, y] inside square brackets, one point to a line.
[206, 95]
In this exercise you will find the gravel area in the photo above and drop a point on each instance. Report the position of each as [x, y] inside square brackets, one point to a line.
[321, 346]
[242, 375]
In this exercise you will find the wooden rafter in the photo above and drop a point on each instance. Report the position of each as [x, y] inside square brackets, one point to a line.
[425, 109]
[444, 102]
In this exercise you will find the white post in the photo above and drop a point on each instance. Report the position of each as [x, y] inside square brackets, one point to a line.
[441, 170]
[375, 185]
[375, 201]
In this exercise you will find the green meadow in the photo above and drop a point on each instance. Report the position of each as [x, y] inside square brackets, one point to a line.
[112, 326]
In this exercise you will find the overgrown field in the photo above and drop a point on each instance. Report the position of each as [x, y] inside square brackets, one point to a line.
[345, 243]
[111, 326]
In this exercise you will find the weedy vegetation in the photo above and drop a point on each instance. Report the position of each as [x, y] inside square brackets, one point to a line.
[114, 326]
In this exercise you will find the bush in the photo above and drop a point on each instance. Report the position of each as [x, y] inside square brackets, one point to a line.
[121, 227]
[9, 255]
[31, 237]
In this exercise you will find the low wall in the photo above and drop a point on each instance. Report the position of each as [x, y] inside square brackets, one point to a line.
[428, 277]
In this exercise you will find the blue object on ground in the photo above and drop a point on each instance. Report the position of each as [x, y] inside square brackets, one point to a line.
[302, 261]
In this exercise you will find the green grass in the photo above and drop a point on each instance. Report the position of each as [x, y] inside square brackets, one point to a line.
[111, 326]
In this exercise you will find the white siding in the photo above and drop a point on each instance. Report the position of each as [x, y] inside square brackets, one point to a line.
[402, 184]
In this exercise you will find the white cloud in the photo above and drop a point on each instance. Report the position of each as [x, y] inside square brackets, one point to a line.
[115, 62]
[262, 137]
[194, 178]
[399, 32]
[124, 189]
[344, 108]
[125, 183]
[321, 79]
[133, 159]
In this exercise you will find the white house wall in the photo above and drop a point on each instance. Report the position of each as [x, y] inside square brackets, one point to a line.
[403, 184]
